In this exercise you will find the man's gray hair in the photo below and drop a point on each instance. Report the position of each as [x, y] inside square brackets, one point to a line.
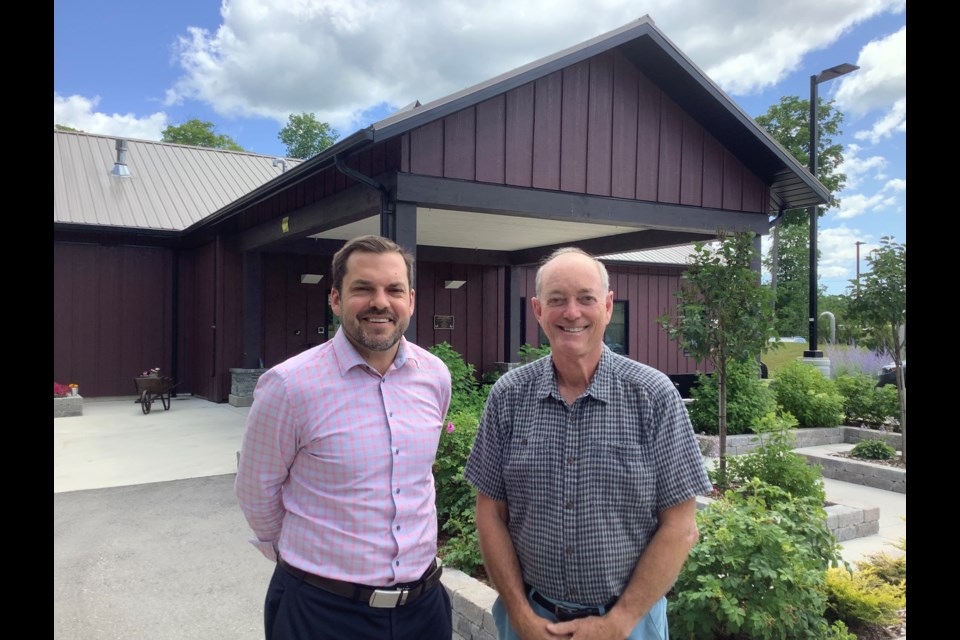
[604, 276]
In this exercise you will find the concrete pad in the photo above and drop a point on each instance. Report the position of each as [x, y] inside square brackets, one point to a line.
[114, 444]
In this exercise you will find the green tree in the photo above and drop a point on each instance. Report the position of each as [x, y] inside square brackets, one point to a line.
[305, 136]
[879, 302]
[724, 315]
[792, 273]
[199, 133]
[789, 123]
[63, 127]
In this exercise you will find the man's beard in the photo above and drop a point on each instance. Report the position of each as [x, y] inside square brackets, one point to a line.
[374, 342]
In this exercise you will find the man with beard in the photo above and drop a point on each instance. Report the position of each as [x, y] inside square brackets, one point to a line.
[335, 474]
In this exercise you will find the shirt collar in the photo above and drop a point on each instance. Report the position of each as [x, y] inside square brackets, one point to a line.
[348, 357]
[599, 387]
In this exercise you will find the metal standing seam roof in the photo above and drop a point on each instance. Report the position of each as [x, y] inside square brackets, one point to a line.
[170, 187]
[679, 255]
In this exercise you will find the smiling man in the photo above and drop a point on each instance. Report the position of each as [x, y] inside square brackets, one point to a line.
[586, 469]
[335, 473]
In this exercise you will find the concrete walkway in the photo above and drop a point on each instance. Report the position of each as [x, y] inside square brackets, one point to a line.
[150, 544]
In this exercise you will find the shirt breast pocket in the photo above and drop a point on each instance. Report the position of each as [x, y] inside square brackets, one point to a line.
[624, 476]
[530, 465]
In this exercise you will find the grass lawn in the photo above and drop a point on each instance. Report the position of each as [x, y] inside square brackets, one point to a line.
[785, 354]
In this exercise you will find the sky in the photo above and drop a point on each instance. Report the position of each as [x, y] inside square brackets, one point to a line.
[131, 68]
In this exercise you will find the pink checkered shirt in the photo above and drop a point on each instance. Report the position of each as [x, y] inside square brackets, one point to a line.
[336, 464]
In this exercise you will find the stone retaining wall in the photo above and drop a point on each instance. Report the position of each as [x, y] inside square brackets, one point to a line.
[857, 472]
[472, 602]
[814, 437]
[68, 406]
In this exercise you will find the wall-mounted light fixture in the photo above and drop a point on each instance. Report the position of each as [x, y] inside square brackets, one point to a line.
[310, 278]
[453, 284]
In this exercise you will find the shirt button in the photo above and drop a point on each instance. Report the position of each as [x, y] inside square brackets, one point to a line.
[568, 551]
[397, 563]
[524, 441]
[398, 491]
[570, 460]
[573, 592]
[398, 527]
[569, 504]
[396, 451]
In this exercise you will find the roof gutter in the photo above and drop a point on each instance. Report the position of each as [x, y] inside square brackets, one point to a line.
[386, 215]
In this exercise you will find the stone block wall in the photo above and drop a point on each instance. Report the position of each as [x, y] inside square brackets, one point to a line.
[472, 604]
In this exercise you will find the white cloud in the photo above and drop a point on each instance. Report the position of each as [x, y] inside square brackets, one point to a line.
[838, 251]
[880, 82]
[882, 77]
[858, 204]
[893, 121]
[897, 184]
[80, 113]
[338, 59]
[856, 168]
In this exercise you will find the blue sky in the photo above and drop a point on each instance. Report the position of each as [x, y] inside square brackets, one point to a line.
[133, 68]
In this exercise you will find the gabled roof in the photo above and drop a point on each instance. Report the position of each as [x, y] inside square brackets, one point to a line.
[170, 186]
[792, 185]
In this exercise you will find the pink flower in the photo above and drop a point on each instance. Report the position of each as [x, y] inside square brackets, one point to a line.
[450, 427]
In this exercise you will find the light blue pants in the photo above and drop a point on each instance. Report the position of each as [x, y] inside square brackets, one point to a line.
[652, 626]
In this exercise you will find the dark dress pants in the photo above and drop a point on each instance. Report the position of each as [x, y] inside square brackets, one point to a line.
[295, 610]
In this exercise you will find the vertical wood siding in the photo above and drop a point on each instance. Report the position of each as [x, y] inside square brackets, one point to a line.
[112, 315]
[599, 127]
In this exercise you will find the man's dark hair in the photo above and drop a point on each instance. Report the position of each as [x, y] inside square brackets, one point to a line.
[367, 244]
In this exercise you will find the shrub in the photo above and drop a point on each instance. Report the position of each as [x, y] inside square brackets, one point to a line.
[861, 600]
[456, 497]
[774, 462]
[467, 394]
[803, 391]
[758, 570]
[749, 399]
[888, 404]
[886, 568]
[863, 401]
[873, 450]
[853, 360]
[528, 353]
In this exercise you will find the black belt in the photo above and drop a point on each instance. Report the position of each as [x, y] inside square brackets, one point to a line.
[382, 598]
[567, 613]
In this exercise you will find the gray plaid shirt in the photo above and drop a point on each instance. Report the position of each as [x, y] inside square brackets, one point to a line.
[583, 484]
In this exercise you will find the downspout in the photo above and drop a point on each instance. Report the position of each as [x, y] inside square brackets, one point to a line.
[387, 226]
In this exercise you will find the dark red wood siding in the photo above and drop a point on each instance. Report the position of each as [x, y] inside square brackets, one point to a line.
[599, 127]
[112, 315]
[292, 311]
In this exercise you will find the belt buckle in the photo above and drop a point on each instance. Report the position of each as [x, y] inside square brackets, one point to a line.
[388, 599]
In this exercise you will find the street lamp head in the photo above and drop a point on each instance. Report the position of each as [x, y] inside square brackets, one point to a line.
[835, 72]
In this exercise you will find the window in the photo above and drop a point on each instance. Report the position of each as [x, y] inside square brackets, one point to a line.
[615, 336]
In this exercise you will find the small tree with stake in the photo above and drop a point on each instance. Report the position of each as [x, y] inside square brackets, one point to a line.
[723, 314]
[880, 303]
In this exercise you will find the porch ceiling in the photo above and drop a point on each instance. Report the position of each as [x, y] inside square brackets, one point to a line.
[474, 230]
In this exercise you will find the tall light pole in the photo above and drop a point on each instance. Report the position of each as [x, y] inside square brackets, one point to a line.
[858, 243]
[823, 76]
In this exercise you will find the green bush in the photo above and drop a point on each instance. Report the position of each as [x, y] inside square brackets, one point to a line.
[758, 570]
[810, 396]
[863, 401]
[861, 600]
[888, 404]
[774, 462]
[456, 497]
[749, 399]
[873, 450]
[467, 395]
[528, 353]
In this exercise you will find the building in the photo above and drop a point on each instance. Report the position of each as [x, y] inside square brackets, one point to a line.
[201, 261]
